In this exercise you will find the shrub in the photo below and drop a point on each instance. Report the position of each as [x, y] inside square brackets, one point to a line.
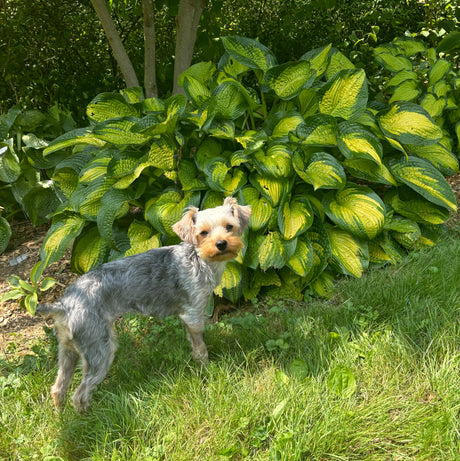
[336, 182]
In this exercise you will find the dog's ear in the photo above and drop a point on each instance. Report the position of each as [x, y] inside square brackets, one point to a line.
[185, 227]
[242, 213]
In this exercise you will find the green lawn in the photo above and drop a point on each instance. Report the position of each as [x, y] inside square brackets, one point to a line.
[372, 374]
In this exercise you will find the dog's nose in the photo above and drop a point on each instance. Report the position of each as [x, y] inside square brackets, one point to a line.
[221, 245]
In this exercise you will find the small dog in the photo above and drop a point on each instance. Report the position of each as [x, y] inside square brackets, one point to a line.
[172, 280]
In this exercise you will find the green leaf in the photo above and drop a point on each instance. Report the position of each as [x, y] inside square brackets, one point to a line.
[273, 189]
[161, 154]
[30, 302]
[231, 285]
[287, 124]
[295, 217]
[9, 163]
[350, 256]
[409, 123]
[441, 158]
[321, 246]
[425, 179]
[5, 234]
[230, 100]
[47, 283]
[119, 131]
[261, 208]
[189, 176]
[40, 202]
[369, 171]
[337, 62]
[355, 141]
[433, 105]
[276, 161]
[406, 91]
[107, 106]
[345, 95]
[272, 252]
[72, 138]
[249, 52]
[201, 72]
[394, 63]
[288, 79]
[450, 42]
[141, 238]
[226, 179]
[318, 59]
[17, 293]
[317, 130]
[301, 262]
[342, 381]
[89, 251]
[356, 209]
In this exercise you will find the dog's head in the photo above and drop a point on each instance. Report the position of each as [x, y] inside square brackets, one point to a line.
[216, 232]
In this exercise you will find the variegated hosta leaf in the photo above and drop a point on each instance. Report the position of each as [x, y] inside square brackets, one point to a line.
[317, 130]
[202, 72]
[72, 138]
[413, 206]
[287, 79]
[141, 238]
[356, 209]
[275, 161]
[301, 262]
[164, 211]
[207, 151]
[405, 231]
[212, 199]
[252, 140]
[323, 285]
[161, 154]
[222, 178]
[409, 123]
[286, 125]
[439, 70]
[64, 228]
[383, 250]
[5, 234]
[345, 95]
[249, 52]
[355, 141]
[118, 131]
[433, 105]
[318, 59]
[349, 255]
[295, 217]
[231, 285]
[107, 106]
[438, 155]
[9, 164]
[123, 163]
[272, 252]
[40, 202]
[89, 251]
[369, 171]
[406, 91]
[273, 189]
[260, 279]
[224, 129]
[230, 100]
[289, 288]
[308, 102]
[251, 257]
[261, 208]
[114, 205]
[321, 170]
[196, 91]
[425, 179]
[188, 176]
[337, 62]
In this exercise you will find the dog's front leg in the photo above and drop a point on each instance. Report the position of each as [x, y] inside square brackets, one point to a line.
[195, 330]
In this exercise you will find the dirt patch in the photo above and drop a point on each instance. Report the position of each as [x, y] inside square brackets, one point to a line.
[19, 331]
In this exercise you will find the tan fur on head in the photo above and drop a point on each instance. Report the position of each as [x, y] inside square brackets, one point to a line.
[185, 228]
[242, 213]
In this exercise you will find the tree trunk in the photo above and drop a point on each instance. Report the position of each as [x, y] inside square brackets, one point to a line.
[150, 80]
[188, 18]
[118, 49]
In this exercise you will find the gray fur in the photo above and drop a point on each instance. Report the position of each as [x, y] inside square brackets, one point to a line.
[172, 280]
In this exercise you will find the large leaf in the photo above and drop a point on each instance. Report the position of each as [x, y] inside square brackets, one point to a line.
[409, 123]
[230, 100]
[317, 130]
[118, 131]
[40, 202]
[9, 163]
[273, 189]
[295, 217]
[345, 95]
[261, 208]
[249, 52]
[350, 256]
[289, 78]
[89, 251]
[272, 252]
[141, 238]
[275, 161]
[231, 285]
[301, 262]
[321, 246]
[356, 209]
[72, 138]
[369, 171]
[107, 106]
[444, 160]
[222, 178]
[318, 59]
[5, 234]
[421, 176]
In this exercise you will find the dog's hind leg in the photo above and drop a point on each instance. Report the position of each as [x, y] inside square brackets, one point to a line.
[68, 359]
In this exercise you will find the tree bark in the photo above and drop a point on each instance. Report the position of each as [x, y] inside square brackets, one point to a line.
[188, 18]
[150, 80]
[118, 49]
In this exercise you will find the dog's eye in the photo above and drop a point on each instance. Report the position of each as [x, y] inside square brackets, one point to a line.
[204, 233]
[229, 227]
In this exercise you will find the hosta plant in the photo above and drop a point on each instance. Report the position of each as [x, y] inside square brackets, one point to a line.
[336, 181]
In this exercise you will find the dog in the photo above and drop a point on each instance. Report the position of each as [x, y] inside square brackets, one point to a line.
[172, 280]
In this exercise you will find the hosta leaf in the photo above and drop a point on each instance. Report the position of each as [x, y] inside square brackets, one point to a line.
[207, 151]
[249, 52]
[383, 250]
[161, 154]
[401, 77]
[40, 202]
[188, 176]
[89, 251]
[318, 59]
[301, 261]
[425, 179]
[272, 252]
[72, 138]
[5, 234]
[369, 171]
[9, 164]
[393, 63]
[224, 129]
[406, 91]
[409, 46]
[317, 130]
[202, 72]
[341, 381]
[337, 62]
[118, 131]
[271, 188]
[251, 257]
[123, 163]
[322, 170]
[212, 199]
[450, 42]
[107, 106]
[345, 95]
[289, 78]
[405, 231]
[409, 123]
[276, 161]
[64, 228]
[433, 105]
[444, 160]
[231, 285]
[261, 208]
[439, 70]
[221, 178]
[196, 91]
[356, 209]
[288, 123]
[349, 255]
[295, 217]
[413, 206]
[321, 246]
[323, 285]
[308, 102]
[141, 238]
[231, 100]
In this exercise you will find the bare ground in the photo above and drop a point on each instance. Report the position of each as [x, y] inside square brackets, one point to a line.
[19, 331]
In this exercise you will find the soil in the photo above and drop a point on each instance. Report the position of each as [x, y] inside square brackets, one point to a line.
[19, 331]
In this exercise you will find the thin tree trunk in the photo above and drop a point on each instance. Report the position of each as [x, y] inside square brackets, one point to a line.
[150, 80]
[118, 49]
[188, 18]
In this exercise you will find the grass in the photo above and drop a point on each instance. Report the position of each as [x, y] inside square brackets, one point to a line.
[372, 374]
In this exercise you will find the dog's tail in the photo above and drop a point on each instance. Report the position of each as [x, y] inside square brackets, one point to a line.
[50, 308]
